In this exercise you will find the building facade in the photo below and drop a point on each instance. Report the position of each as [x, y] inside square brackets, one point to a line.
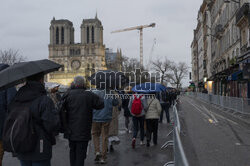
[225, 37]
[113, 59]
[194, 61]
[225, 45]
[76, 58]
[243, 22]
[201, 47]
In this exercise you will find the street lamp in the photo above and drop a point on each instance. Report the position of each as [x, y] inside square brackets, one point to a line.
[205, 79]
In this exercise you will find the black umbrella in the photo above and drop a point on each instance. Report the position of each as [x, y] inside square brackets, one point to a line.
[18, 73]
[112, 79]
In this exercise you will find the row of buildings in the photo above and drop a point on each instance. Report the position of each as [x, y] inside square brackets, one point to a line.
[82, 58]
[221, 48]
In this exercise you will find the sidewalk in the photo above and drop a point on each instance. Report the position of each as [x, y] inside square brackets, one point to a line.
[123, 155]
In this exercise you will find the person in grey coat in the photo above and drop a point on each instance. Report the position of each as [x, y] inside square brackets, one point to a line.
[79, 105]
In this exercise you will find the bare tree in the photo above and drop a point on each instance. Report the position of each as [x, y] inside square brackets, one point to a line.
[11, 56]
[163, 67]
[178, 72]
[129, 64]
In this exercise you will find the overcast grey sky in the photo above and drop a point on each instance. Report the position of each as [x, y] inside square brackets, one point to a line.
[24, 25]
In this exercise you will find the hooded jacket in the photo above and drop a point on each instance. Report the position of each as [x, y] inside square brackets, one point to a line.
[46, 119]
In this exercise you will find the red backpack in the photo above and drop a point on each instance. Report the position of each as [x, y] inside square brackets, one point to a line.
[137, 106]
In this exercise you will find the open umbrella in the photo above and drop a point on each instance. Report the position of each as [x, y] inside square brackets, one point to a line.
[18, 73]
[149, 87]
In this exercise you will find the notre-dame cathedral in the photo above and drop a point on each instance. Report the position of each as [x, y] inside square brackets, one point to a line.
[77, 58]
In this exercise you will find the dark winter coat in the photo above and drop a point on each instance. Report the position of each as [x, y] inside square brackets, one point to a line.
[46, 119]
[5, 98]
[125, 103]
[79, 105]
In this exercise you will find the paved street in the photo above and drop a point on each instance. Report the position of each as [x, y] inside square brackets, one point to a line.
[212, 137]
[124, 155]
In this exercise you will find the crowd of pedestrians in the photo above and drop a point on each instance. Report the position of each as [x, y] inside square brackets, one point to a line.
[82, 115]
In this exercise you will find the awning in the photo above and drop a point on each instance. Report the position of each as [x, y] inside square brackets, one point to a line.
[246, 60]
[234, 76]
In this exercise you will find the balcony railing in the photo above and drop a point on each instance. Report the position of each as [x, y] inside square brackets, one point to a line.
[244, 10]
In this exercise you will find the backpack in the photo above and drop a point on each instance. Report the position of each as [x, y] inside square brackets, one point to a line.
[19, 134]
[136, 106]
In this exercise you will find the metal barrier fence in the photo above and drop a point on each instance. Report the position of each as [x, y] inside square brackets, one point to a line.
[179, 154]
[234, 103]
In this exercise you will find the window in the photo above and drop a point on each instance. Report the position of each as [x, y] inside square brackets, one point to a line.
[87, 34]
[93, 35]
[87, 66]
[57, 35]
[62, 35]
[75, 51]
[93, 66]
[78, 52]
[237, 52]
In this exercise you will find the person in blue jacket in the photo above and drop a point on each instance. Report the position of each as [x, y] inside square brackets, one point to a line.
[100, 126]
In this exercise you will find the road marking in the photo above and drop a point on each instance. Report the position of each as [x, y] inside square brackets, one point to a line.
[206, 116]
[213, 120]
[223, 117]
[210, 120]
[211, 114]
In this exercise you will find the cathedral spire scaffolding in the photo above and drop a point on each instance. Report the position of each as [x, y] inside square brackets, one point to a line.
[96, 15]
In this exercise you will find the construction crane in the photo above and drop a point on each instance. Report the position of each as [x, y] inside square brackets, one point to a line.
[140, 28]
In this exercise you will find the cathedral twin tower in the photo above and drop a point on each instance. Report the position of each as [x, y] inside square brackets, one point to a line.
[62, 32]
[76, 58]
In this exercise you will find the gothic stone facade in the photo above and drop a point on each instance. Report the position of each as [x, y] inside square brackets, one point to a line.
[76, 58]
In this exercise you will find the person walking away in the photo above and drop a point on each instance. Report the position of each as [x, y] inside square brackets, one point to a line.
[79, 104]
[165, 104]
[54, 95]
[172, 100]
[152, 117]
[100, 126]
[6, 97]
[137, 105]
[125, 103]
[113, 127]
[41, 121]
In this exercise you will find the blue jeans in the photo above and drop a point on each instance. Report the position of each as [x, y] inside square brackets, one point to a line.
[138, 122]
[35, 163]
